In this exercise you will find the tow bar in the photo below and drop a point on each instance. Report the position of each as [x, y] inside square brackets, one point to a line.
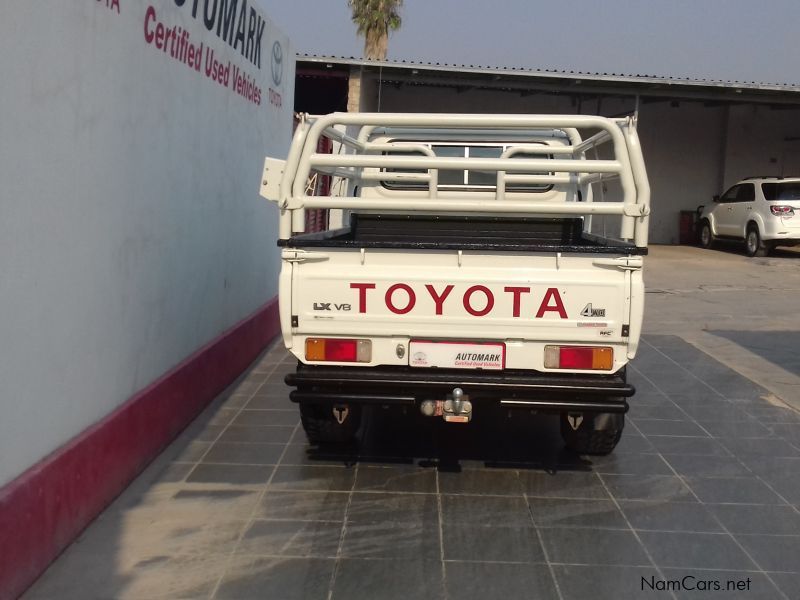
[456, 408]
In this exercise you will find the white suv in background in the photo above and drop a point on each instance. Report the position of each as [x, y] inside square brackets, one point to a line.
[758, 210]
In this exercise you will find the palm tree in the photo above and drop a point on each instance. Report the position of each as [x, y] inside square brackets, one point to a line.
[375, 19]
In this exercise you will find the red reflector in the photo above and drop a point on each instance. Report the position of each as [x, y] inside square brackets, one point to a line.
[575, 358]
[341, 350]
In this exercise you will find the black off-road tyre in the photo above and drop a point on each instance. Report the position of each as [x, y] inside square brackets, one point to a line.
[754, 245]
[705, 238]
[596, 435]
[321, 426]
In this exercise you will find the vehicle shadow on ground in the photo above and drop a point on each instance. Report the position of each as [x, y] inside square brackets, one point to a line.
[778, 347]
[735, 247]
[496, 438]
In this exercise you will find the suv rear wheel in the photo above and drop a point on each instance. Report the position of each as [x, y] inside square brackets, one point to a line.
[753, 243]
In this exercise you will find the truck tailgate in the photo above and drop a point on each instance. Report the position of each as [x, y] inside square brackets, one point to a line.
[521, 299]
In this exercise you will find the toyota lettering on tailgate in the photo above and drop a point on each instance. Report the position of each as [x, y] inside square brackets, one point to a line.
[477, 300]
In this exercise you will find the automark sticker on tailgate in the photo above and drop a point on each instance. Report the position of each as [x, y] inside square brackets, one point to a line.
[457, 355]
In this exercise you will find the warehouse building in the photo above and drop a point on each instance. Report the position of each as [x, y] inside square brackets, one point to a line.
[699, 136]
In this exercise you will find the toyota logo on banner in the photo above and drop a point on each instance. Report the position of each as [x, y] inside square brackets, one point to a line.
[277, 63]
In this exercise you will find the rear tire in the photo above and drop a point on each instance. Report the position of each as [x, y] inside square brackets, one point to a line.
[597, 434]
[753, 242]
[321, 426]
[706, 237]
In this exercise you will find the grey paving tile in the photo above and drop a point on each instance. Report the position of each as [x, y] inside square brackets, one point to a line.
[721, 412]
[484, 581]
[758, 519]
[173, 473]
[746, 429]
[190, 452]
[481, 481]
[475, 542]
[773, 467]
[510, 511]
[593, 547]
[206, 433]
[695, 551]
[266, 418]
[373, 507]
[707, 466]
[560, 512]
[666, 410]
[694, 584]
[231, 474]
[244, 453]
[788, 431]
[278, 401]
[304, 505]
[773, 552]
[236, 401]
[562, 484]
[396, 479]
[788, 583]
[577, 582]
[774, 414]
[291, 538]
[669, 516]
[628, 463]
[391, 539]
[222, 416]
[633, 443]
[688, 445]
[674, 380]
[388, 579]
[301, 453]
[264, 435]
[313, 478]
[759, 447]
[251, 577]
[111, 576]
[648, 487]
[739, 490]
[663, 427]
[220, 504]
[248, 385]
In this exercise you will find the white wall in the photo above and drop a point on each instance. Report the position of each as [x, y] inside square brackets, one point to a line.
[757, 143]
[683, 149]
[131, 231]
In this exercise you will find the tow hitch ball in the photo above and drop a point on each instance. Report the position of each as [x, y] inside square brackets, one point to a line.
[455, 408]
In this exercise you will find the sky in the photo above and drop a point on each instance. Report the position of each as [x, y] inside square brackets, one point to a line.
[739, 40]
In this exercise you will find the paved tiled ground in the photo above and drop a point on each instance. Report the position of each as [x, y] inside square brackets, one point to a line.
[705, 484]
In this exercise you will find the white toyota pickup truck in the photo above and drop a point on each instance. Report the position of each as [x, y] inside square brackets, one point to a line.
[464, 267]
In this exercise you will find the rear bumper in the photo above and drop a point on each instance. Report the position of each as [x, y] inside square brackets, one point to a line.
[512, 389]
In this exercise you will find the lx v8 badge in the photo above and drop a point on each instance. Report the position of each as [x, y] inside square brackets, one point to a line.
[327, 306]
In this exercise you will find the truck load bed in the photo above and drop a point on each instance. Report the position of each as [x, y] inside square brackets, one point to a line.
[525, 234]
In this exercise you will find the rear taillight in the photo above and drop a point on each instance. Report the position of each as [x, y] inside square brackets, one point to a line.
[584, 358]
[338, 350]
[782, 211]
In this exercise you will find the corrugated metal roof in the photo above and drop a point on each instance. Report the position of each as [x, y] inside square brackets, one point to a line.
[557, 74]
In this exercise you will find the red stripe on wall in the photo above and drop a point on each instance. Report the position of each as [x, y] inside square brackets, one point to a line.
[46, 507]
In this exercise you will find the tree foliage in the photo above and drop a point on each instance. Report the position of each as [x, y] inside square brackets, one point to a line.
[375, 19]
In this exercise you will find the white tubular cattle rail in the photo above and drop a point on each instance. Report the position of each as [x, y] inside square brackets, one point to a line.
[391, 162]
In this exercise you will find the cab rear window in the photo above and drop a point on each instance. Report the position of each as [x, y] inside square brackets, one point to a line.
[464, 179]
